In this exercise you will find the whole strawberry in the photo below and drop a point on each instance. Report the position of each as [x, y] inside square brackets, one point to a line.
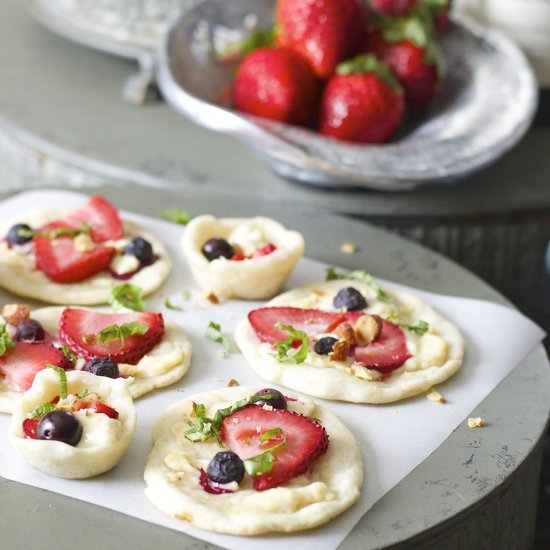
[362, 102]
[276, 83]
[393, 8]
[413, 56]
[324, 32]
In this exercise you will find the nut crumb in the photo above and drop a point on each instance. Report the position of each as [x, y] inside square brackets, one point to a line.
[348, 248]
[83, 243]
[15, 313]
[476, 422]
[345, 332]
[232, 383]
[340, 351]
[367, 329]
[211, 297]
[258, 429]
[267, 407]
[235, 420]
[222, 354]
[318, 292]
[436, 397]
[193, 412]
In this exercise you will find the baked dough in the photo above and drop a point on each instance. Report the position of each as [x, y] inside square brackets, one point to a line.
[19, 275]
[104, 440]
[251, 279]
[331, 486]
[164, 365]
[436, 355]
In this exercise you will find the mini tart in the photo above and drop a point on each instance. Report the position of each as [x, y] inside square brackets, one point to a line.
[96, 452]
[19, 275]
[250, 279]
[436, 356]
[332, 484]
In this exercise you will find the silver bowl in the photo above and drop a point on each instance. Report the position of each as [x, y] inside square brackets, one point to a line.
[486, 105]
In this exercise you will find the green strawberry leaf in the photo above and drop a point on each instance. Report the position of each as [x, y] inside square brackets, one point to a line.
[368, 63]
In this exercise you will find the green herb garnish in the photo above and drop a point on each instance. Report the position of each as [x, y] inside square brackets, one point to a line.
[177, 215]
[420, 327]
[62, 380]
[186, 295]
[366, 277]
[169, 305]
[6, 342]
[283, 347]
[120, 332]
[82, 393]
[41, 410]
[214, 333]
[127, 296]
[55, 233]
[68, 354]
[263, 463]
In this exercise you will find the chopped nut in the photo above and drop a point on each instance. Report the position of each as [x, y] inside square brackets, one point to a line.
[193, 412]
[476, 422]
[436, 397]
[232, 383]
[174, 477]
[361, 372]
[212, 298]
[367, 329]
[89, 338]
[339, 351]
[318, 292]
[345, 332]
[235, 420]
[222, 354]
[258, 429]
[83, 243]
[15, 313]
[348, 248]
[267, 407]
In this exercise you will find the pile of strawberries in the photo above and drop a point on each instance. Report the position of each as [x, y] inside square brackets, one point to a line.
[352, 69]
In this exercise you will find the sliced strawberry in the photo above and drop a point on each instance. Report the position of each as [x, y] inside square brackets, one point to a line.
[305, 440]
[62, 263]
[100, 215]
[21, 363]
[78, 329]
[30, 428]
[387, 353]
[264, 251]
[310, 321]
[96, 406]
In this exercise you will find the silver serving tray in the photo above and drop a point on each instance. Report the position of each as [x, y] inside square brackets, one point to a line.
[486, 105]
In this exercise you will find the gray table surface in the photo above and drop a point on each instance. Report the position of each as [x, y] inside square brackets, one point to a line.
[468, 468]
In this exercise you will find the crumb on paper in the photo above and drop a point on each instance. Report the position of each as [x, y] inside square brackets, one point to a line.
[436, 397]
[211, 297]
[476, 422]
[15, 313]
[318, 292]
[232, 383]
[216, 379]
[348, 248]
[222, 354]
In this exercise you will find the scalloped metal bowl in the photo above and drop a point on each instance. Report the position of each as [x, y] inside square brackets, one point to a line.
[486, 105]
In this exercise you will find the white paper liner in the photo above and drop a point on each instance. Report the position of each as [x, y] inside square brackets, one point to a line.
[394, 438]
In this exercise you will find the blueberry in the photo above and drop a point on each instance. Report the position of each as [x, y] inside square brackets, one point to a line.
[217, 248]
[141, 249]
[20, 233]
[349, 298]
[225, 467]
[29, 330]
[60, 425]
[271, 397]
[324, 345]
[102, 366]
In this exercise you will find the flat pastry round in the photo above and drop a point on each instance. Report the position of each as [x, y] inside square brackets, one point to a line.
[104, 440]
[251, 278]
[19, 275]
[164, 365]
[434, 356]
[332, 484]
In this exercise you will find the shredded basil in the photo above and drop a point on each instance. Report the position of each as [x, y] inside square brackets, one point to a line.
[366, 277]
[214, 333]
[62, 380]
[177, 215]
[186, 295]
[55, 233]
[127, 296]
[6, 342]
[283, 347]
[169, 305]
[41, 410]
[120, 332]
[263, 463]
[420, 327]
[69, 355]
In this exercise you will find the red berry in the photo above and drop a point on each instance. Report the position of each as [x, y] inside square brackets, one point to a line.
[62, 263]
[310, 321]
[30, 428]
[78, 330]
[20, 364]
[278, 84]
[324, 32]
[98, 214]
[387, 353]
[393, 8]
[305, 440]
[96, 406]
[264, 251]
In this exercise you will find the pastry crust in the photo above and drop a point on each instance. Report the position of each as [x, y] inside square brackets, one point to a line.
[250, 279]
[436, 356]
[19, 275]
[94, 454]
[331, 486]
[164, 365]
